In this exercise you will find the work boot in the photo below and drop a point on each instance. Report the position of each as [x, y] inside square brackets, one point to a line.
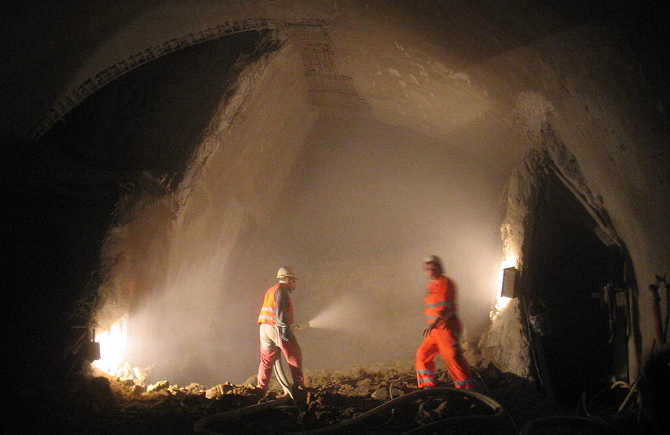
[299, 395]
[258, 393]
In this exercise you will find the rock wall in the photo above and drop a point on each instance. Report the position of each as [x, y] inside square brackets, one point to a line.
[505, 343]
[231, 189]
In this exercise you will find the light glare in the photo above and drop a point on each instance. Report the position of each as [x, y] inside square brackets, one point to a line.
[502, 301]
[113, 345]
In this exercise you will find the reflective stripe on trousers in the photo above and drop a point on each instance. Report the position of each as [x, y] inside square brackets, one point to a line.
[271, 344]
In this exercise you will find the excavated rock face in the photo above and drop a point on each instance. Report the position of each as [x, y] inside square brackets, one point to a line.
[346, 140]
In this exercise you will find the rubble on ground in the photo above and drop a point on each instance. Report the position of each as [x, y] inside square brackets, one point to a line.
[333, 397]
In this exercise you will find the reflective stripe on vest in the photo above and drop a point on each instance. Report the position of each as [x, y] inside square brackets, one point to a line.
[439, 299]
[269, 310]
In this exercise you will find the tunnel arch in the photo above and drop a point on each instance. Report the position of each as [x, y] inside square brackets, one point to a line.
[91, 85]
[604, 125]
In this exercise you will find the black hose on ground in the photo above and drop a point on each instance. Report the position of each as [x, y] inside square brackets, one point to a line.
[498, 412]
[347, 424]
[539, 424]
[202, 425]
[452, 421]
[488, 391]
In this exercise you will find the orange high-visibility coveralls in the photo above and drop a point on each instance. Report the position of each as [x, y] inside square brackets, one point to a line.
[271, 318]
[440, 302]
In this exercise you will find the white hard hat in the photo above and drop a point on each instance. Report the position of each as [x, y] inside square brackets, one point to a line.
[285, 272]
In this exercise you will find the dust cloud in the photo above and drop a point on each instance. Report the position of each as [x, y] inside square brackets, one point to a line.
[362, 204]
[367, 203]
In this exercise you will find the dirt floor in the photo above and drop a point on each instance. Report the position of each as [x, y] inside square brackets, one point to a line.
[99, 405]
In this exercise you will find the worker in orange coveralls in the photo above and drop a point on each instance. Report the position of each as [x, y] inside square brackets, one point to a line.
[275, 320]
[441, 335]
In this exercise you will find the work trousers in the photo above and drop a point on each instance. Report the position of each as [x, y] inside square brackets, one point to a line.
[271, 345]
[442, 340]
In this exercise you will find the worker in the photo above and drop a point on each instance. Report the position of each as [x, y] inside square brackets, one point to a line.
[275, 320]
[441, 334]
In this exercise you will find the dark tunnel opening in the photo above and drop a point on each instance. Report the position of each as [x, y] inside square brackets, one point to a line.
[577, 300]
[109, 152]
[125, 126]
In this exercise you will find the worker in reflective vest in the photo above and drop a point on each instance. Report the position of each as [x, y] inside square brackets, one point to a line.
[275, 320]
[441, 335]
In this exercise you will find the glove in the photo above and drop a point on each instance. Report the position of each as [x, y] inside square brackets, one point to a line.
[429, 328]
[283, 333]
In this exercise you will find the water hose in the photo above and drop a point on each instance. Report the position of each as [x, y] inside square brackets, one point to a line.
[489, 402]
[282, 378]
[497, 409]
[488, 391]
[201, 426]
[433, 427]
[539, 424]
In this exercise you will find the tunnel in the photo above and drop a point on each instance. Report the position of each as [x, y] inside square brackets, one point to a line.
[171, 156]
[578, 336]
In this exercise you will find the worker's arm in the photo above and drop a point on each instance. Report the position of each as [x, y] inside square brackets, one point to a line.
[282, 303]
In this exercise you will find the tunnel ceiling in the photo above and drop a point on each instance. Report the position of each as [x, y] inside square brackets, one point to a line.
[448, 70]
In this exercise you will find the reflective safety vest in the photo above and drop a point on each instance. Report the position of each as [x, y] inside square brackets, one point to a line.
[270, 310]
[440, 296]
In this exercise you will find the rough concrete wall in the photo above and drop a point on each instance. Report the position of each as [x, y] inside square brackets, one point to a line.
[505, 343]
[523, 190]
[233, 186]
[603, 113]
[263, 128]
[154, 122]
[99, 36]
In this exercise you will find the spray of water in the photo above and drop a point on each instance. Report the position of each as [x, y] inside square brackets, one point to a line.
[342, 315]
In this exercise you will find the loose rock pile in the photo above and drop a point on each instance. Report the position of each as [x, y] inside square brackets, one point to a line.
[333, 397]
